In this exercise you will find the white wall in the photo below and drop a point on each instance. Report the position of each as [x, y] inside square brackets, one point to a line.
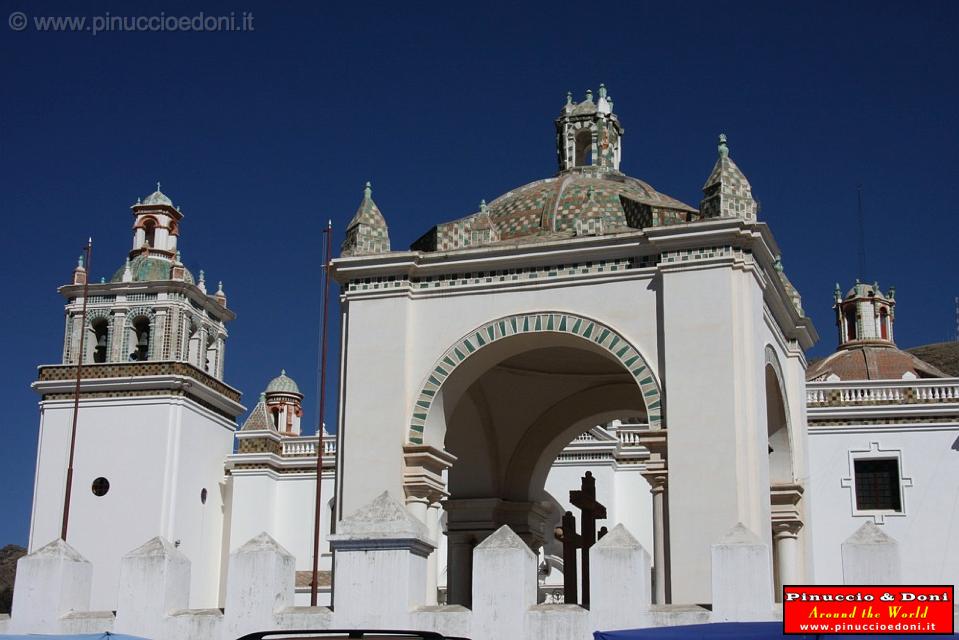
[157, 452]
[926, 532]
[282, 505]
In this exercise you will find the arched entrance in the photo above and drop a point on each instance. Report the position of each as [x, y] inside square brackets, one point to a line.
[497, 409]
[785, 492]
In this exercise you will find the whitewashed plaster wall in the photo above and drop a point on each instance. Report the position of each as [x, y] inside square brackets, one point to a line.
[158, 453]
[926, 531]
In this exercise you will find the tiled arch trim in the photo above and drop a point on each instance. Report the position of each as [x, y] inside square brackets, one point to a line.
[552, 322]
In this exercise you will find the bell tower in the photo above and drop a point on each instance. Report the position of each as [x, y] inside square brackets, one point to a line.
[589, 134]
[155, 419]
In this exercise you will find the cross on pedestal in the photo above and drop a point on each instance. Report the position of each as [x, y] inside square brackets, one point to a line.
[591, 511]
[571, 542]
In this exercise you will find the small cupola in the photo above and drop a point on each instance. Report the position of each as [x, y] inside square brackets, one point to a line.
[156, 226]
[588, 134]
[284, 404]
[865, 314]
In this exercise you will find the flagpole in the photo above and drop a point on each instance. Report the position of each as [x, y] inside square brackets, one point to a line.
[88, 251]
[319, 442]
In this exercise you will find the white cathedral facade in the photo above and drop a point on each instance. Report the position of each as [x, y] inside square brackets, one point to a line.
[580, 323]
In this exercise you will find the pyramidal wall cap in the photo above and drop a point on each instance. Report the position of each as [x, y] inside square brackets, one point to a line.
[385, 516]
[740, 534]
[263, 542]
[619, 538]
[503, 538]
[58, 549]
[869, 533]
[158, 546]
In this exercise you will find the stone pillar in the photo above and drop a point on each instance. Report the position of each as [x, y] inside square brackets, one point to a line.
[741, 577]
[158, 336]
[619, 580]
[117, 336]
[154, 580]
[504, 585]
[380, 556]
[260, 582]
[870, 556]
[418, 507]
[459, 568]
[432, 564]
[786, 541]
[220, 356]
[51, 581]
[658, 489]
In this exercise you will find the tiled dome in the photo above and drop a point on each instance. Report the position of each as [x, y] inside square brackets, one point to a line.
[158, 197]
[148, 269]
[283, 384]
[878, 362]
[556, 207]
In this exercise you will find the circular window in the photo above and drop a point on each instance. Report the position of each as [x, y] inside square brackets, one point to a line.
[203, 496]
[100, 487]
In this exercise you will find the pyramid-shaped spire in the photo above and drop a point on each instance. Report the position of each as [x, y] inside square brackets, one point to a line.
[367, 232]
[727, 193]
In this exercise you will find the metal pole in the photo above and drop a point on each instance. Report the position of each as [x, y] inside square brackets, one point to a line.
[319, 443]
[88, 250]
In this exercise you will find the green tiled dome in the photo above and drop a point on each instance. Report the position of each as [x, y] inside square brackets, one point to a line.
[149, 268]
[283, 384]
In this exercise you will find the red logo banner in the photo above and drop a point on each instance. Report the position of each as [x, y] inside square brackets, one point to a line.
[894, 609]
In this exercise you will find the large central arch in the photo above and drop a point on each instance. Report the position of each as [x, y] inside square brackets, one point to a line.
[495, 410]
[476, 341]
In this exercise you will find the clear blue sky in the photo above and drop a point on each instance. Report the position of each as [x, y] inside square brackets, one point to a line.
[261, 136]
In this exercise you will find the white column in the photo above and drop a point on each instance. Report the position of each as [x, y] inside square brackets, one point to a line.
[786, 541]
[432, 563]
[418, 507]
[658, 490]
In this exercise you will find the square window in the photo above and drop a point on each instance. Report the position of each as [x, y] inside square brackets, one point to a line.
[877, 484]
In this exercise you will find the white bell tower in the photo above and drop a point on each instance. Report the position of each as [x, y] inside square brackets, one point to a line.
[155, 419]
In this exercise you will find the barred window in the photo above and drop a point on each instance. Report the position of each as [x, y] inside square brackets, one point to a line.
[877, 485]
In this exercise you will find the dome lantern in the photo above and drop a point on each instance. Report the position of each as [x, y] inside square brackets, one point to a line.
[588, 134]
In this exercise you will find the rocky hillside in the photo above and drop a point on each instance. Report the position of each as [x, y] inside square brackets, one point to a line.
[944, 356]
[8, 570]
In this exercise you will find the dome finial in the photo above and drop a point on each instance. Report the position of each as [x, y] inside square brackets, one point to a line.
[569, 98]
[158, 185]
[368, 190]
[602, 90]
[589, 95]
[723, 147]
[282, 372]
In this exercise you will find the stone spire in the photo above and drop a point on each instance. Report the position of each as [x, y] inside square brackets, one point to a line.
[367, 233]
[727, 193]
